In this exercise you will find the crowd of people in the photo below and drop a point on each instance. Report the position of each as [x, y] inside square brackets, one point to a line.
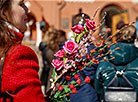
[19, 64]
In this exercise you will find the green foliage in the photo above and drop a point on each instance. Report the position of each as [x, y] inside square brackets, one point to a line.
[79, 37]
[73, 82]
[54, 72]
[57, 94]
[64, 59]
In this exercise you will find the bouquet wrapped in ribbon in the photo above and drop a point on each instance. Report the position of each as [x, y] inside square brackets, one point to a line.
[70, 60]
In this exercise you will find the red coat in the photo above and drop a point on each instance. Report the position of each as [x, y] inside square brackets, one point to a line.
[20, 74]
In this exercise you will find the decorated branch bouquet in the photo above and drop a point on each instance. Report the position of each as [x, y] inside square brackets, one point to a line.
[70, 60]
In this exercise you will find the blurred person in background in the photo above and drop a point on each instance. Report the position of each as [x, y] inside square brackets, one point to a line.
[48, 46]
[45, 68]
[121, 23]
[61, 38]
[125, 57]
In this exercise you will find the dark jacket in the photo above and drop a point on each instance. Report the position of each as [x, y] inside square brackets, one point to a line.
[45, 71]
[42, 47]
[86, 92]
[128, 54]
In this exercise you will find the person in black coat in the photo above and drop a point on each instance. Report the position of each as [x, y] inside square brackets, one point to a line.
[45, 71]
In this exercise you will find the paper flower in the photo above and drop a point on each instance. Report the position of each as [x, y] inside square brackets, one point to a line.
[90, 24]
[58, 64]
[70, 47]
[60, 53]
[78, 28]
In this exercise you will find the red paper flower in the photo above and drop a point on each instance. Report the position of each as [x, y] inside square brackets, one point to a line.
[68, 78]
[115, 42]
[68, 86]
[105, 59]
[109, 51]
[101, 50]
[76, 76]
[79, 81]
[88, 57]
[97, 62]
[60, 88]
[102, 37]
[110, 37]
[108, 46]
[102, 55]
[71, 86]
[98, 44]
[118, 48]
[90, 65]
[68, 94]
[99, 56]
[122, 37]
[73, 70]
[113, 57]
[74, 91]
[77, 29]
[87, 79]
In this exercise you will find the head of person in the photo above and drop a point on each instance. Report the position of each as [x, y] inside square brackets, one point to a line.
[128, 33]
[61, 36]
[13, 13]
[77, 18]
[51, 39]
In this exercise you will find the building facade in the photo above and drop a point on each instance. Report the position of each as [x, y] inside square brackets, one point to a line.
[59, 13]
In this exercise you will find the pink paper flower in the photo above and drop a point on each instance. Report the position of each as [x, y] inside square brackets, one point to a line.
[77, 28]
[58, 64]
[60, 53]
[90, 24]
[70, 47]
[68, 64]
[83, 51]
[62, 73]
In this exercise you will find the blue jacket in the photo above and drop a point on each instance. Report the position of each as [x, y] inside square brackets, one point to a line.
[85, 93]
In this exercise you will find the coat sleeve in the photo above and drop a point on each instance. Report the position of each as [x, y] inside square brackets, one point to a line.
[20, 75]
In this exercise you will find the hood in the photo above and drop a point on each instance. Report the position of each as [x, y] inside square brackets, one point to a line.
[125, 54]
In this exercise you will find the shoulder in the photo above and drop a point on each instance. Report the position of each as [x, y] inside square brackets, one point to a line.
[104, 67]
[20, 51]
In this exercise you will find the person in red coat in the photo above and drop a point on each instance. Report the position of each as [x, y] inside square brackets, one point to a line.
[20, 64]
